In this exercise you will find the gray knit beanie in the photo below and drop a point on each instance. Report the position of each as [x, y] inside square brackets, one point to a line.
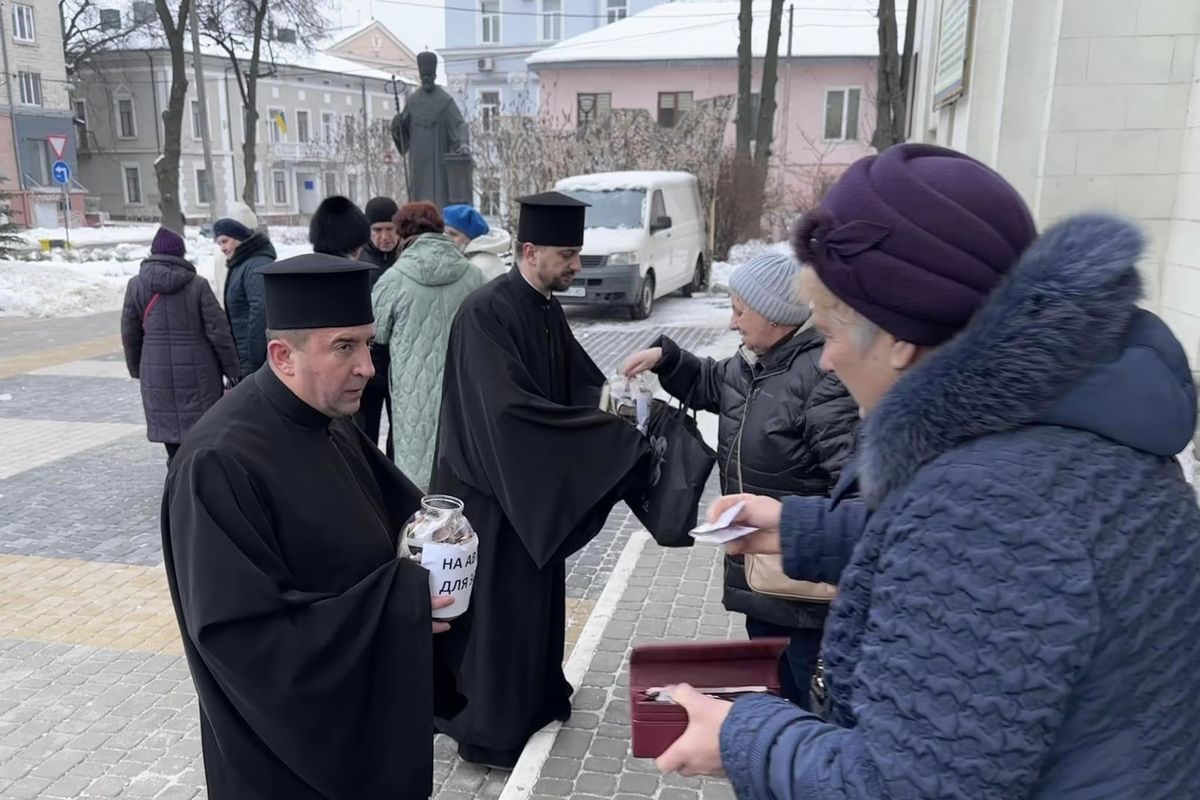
[767, 284]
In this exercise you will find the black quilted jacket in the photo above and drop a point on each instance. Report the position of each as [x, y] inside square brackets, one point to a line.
[786, 428]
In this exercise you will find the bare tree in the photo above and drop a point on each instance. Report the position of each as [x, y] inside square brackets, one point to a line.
[166, 166]
[247, 31]
[366, 150]
[766, 115]
[516, 154]
[894, 75]
[86, 31]
[750, 165]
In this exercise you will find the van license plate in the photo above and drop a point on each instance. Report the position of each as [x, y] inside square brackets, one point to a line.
[574, 291]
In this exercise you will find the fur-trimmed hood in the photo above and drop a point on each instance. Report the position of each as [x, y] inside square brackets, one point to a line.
[1060, 342]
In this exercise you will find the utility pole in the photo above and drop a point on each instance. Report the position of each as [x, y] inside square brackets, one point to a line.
[202, 95]
[787, 104]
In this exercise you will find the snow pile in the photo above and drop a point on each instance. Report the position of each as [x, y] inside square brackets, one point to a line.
[699, 311]
[740, 254]
[62, 288]
[109, 234]
[287, 234]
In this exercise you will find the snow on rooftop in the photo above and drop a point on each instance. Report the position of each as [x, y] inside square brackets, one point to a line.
[284, 56]
[709, 30]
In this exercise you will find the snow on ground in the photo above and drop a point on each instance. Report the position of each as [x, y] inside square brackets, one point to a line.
[109, 234]
[699, 311]
[739, 254]
[67, 283]
[61, 289]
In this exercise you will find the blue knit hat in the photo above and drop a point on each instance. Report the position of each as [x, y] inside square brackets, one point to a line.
[466, 219]
[767, 284]
[227, 226]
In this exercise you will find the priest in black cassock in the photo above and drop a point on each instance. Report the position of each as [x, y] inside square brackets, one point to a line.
[310, 644]
[539, 466]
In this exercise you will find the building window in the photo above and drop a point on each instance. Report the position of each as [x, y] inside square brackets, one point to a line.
[841, 114]
[330, 183]
[133, 185]
[197, 127]
[279, 186]
[328, 127]
[489, 31]
[489, 195]
[590, 105]
[672, 106]
[552, 20]
[23, 23]
[348, 122]
[617, 10]
[276, 125]
[31, 88]
[302, 126]
[126, 120]
[489, 109]
[203, 188]
[352, 188]
[81, 122]
[36, 160]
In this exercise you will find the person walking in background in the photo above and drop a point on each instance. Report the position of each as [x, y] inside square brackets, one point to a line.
[381, 253]
[245, 252]
[786, 428]
[339, 228]
[415, 303]
[485, 247]
[177, 342]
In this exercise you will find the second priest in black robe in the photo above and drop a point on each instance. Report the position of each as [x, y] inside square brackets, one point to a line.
[539, 467]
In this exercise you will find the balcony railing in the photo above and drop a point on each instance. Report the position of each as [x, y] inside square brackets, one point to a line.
[303, 151]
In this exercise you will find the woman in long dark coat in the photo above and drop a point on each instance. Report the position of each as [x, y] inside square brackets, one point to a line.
[177, 342]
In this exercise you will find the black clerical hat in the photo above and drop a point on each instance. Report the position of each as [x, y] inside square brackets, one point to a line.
[427, 61]
[317, 291]
[552, 219]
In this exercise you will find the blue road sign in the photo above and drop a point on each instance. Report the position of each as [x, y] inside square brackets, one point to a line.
[62, 172]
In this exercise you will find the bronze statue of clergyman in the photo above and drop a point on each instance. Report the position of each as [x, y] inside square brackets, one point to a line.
[429, 129]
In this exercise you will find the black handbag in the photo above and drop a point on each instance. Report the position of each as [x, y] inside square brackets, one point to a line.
[669, 502]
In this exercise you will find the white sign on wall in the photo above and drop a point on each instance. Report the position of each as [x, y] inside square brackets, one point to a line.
[954, 35]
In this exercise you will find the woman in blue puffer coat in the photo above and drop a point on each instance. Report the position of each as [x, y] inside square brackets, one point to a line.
[1017, 619]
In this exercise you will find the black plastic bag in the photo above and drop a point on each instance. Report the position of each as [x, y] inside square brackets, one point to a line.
[669, 503]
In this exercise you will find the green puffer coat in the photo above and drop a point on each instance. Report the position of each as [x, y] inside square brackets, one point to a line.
[415, 302]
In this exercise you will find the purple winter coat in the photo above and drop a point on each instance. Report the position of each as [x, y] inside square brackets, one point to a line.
[179, 348]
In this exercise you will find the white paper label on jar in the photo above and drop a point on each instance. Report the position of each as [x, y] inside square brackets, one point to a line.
[451, 574]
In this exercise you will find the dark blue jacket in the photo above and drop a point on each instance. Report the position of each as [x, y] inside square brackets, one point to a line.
[1019, 616]
[246, 300]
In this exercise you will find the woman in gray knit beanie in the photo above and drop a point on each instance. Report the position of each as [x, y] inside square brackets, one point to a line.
[785, 428]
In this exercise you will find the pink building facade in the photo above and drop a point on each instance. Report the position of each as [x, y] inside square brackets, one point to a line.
[825, 111]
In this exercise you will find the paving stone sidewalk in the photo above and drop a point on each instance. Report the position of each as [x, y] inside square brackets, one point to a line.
[95, 697]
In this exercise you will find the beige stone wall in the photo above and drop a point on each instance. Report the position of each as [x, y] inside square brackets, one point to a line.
[1180, 298]
[43, 56]
[1089, 105]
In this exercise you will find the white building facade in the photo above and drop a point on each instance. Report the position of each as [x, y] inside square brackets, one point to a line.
[322, 129]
